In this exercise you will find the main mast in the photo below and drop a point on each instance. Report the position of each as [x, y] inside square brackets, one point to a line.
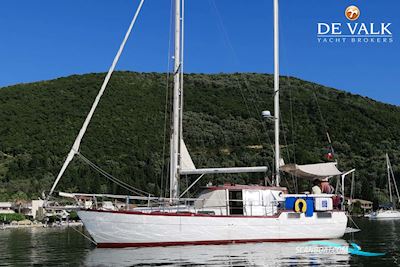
[276, 92]
[176, 113]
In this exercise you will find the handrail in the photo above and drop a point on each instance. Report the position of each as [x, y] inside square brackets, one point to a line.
[74, 195]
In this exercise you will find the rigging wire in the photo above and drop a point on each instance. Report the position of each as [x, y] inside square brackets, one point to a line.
[291, 154]
[233, 52]
[254, 95]
[284, 50]
[324, 124]
[393, 178]
[283, 126]
[75, 147]
[287, 150]
[168, 74]
[294, 178]
[112, 178]
[254, 98]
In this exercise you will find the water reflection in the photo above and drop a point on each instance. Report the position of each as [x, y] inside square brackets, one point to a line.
[261, 254]
[66, 247]
[39, 246]
[379, 236]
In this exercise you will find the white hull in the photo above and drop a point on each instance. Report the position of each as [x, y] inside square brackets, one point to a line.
[123, 229]
[386, 214]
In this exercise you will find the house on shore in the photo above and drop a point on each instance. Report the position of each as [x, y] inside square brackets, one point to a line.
[365, 205]
[7, 208]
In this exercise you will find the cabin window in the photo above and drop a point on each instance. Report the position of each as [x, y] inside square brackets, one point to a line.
[235, 202]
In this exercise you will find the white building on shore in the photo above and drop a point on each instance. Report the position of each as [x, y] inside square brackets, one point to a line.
[6, 208]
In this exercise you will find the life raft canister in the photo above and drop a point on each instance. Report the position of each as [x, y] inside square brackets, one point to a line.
[303, 205]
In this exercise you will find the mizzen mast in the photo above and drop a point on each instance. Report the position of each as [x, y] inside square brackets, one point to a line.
[276, 92]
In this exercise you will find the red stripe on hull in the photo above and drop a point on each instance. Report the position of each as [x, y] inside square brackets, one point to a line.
[183, 214]
[209, 242]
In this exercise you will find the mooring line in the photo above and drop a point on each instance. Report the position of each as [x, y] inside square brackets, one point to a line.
[85, 236]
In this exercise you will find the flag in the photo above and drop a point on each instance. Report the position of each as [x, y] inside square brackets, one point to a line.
[329, 156]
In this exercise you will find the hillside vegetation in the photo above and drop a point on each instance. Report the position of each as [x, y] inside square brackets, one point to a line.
[222, 127]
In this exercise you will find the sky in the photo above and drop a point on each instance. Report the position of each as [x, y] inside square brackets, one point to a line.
[47, 39]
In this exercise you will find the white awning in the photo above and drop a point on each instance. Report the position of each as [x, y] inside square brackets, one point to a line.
[312, 171]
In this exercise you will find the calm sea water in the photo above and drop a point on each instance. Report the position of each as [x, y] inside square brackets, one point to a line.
[66, 247]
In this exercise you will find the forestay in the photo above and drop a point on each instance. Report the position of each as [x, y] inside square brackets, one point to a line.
[75, 147]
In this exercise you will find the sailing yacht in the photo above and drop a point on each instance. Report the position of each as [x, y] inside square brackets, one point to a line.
[390, 213]
[221, 214]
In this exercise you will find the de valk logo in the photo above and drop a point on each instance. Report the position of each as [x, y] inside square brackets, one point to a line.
[352, 12]
[353, 30]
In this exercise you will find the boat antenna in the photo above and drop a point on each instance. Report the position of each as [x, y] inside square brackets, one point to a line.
[276, 92]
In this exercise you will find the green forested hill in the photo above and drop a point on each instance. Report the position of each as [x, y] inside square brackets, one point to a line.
[39, 122]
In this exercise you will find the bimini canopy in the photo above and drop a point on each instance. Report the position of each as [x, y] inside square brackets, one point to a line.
[312, 171]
